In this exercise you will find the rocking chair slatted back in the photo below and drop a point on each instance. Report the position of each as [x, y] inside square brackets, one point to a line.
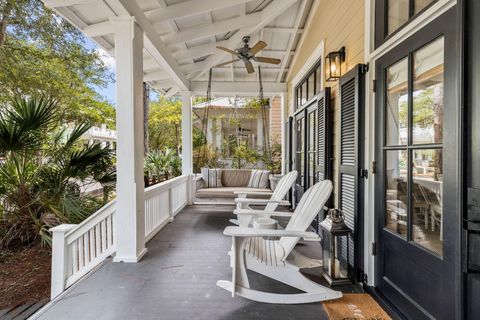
[285, 183]
[308, 208]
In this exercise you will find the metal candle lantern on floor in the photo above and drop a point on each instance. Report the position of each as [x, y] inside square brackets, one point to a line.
[335, 236]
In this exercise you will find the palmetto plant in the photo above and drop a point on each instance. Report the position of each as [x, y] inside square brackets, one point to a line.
[162, 165]
[43, 171]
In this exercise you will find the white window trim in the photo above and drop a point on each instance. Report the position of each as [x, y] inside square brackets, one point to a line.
[313, 59]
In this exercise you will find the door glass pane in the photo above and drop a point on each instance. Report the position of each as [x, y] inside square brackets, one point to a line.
[428, 93]
[299, 151]
[396, 198]
[318, 80]
[304, 93]
[311, 86]
[397, 14]
[299, 97]
[419, 5]
[427, 193]
[397, 103]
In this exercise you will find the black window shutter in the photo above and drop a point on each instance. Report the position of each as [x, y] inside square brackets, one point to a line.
[350, 189]
[324, 143]
[324, 137]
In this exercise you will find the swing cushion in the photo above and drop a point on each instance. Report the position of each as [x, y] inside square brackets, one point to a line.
[212, 178]
[259, 179]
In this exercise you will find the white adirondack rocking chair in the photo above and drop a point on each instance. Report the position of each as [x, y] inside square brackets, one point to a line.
[255, 250]
[243, 203]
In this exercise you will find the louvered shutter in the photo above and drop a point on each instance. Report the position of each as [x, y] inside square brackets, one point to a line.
[350, 190]
[324, 145]
[324, 137]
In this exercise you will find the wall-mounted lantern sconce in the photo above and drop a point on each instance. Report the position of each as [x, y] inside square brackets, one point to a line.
[333, 64]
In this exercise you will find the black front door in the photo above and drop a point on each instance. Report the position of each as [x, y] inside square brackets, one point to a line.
[299, 157]
[418, 182]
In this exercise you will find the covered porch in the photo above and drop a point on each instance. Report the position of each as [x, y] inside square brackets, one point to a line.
[176, 280]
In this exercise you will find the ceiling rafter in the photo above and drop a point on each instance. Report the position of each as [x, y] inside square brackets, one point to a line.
[155, 46]
[220, 27]
[293, 36]
[190, 8]
[270, 13]
[53, 4]
[238, 88]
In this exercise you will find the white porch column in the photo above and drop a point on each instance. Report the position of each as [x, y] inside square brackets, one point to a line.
[130, 207]
[260, 132]
[218, 133]
[283, 133]
[187, 147]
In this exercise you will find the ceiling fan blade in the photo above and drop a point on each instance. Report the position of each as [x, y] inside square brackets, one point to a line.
[235, 53]
[249, 67]
[267, 60]
[225, 63]
[257, 47]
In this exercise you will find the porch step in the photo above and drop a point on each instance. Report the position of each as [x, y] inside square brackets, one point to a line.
[23, 311]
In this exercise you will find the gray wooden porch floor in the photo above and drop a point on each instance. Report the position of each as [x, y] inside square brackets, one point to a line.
[177, 279]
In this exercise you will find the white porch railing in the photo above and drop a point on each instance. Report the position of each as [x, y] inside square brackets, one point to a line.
[78, 249]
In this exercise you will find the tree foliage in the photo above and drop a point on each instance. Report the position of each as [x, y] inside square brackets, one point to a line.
[44, 169]
[164, 124]
[42, 53]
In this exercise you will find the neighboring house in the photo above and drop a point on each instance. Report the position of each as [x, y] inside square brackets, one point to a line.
[107, 137]
[225, 113]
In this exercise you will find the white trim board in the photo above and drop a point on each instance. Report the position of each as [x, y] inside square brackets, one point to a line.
[436, 10]
[316, 55]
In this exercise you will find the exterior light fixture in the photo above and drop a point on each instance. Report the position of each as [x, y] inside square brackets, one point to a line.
[333, 64]
[335, 240]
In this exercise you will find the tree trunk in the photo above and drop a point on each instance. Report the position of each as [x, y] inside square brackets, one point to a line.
[4, 22]
[146, 102]
[438, 129]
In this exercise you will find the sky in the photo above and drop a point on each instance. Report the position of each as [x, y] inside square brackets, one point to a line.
[109, 91]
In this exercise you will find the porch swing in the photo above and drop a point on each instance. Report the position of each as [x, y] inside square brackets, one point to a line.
[264, 111]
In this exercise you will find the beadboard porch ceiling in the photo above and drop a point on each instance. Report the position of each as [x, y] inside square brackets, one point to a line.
[181, 38]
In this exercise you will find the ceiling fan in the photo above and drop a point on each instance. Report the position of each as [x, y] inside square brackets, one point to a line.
[246, 54]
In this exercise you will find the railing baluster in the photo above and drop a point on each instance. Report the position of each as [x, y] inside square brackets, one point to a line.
[98, 246]
[89, 243]
[92, 243]
[80, 253]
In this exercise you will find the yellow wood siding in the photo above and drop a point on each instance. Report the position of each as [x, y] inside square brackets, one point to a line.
[276, 120]
[338, 23]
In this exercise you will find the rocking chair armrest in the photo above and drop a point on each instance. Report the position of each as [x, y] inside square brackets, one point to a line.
[198, 178]
[261, 213]
[257, 201]
[251, 232]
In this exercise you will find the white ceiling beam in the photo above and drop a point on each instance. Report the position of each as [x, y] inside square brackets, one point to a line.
[155, 46]
[291, 42]
[52, 4]
[98, 29]
[189, 8]
[281, 30]
[173, 91]
[270, 13]
[237, 88]
[163, 84]
[213, 29]
[211, 48]
[155, 76]
[198, 51]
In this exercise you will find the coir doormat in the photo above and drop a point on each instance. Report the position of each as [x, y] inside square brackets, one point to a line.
[355, 306]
